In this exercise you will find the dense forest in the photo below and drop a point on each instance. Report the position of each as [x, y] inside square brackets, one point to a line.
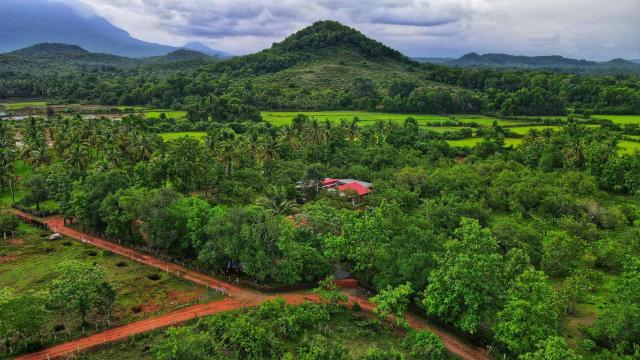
[324, 66]
[531, 233]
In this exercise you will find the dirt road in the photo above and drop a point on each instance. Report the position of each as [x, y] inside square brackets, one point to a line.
[238, 298]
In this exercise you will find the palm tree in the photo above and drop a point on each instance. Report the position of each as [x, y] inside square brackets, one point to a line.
[276, 201]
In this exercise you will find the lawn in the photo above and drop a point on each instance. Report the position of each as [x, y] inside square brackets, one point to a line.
[29, 261]
[176, 135]
[279, 118]
[22, 104]
[620, 119]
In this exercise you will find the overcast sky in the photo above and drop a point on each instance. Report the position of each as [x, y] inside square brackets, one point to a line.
[590, 29]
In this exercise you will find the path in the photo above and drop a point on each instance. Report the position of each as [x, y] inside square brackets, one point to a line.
[238, 297]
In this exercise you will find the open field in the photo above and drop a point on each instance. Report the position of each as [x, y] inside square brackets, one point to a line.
[620, 119]
[139, 296]
[279, 118]
[155, 114]
[176, 135]
[524, 130]
[629, 147]
[22, 104]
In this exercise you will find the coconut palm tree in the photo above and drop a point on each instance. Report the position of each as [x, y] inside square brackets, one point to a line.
[276, 201]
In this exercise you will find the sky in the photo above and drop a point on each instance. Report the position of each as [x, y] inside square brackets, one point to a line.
[583, 29]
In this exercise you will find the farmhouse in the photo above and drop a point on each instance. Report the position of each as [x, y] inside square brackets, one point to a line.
[362, 188]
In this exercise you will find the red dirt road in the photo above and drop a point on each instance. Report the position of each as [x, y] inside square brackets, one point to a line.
[238, 298]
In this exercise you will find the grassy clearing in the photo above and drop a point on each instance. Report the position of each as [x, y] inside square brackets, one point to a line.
[22, 104]
[155, 114]
[524, 130]
[33, 259]
[176, 135]
[620, 119]
[279, 118]
[629, 147]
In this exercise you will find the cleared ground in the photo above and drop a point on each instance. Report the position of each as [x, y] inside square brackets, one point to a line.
[29, 261]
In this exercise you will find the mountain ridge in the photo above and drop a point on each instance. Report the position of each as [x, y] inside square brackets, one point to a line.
[28, 22]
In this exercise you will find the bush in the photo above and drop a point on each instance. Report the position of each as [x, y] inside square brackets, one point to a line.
[321, 348]
[424, 345]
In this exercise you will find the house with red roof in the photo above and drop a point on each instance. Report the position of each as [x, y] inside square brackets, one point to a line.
[345, 186]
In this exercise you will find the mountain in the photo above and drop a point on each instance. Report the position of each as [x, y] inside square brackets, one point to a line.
[552, 62]
[200, 47]
[325, 55]
[61, 58]
[28, 22]
[635, 61]
[432, 60]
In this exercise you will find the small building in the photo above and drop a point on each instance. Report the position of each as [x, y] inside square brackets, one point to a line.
[361, 188]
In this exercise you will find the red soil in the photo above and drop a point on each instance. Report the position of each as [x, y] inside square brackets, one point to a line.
[6, 259]
[238, 298]
[16, 242]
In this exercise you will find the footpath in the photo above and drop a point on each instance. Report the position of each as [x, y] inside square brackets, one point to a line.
[238, 297]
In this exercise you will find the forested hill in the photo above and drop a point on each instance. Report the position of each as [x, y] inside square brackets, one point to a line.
[50, 58]
[326, 66]
[327, 41]
[552, 62]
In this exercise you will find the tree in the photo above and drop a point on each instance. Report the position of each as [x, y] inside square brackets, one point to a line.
[37, 189]
[59, 186]
[181, 343]
[393, 301]
[329, 292]
[560, 253]
[22, 317]
[77, 286]
[424, 344]
[467, 287]
[105, 297]
[531, 313]
[8, 221]
[276, 200]
[321, 348]
[552, 348]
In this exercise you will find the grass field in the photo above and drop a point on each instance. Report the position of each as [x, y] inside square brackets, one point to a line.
[29, 260]
[629, 147]
[22, 104]
[155, 114]
[524, 130]
[279, 118]
[176, 135]
[620, 119]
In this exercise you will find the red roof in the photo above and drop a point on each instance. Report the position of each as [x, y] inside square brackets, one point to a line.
[354, 186]
[329, 181]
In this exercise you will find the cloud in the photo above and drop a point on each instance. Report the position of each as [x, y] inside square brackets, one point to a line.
[576, 28]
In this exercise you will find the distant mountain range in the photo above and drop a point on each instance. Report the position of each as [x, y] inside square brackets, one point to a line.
[60, 58]
[552, 62]
[28, 22]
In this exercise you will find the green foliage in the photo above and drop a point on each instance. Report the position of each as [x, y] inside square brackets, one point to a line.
[553, 348]
[22, 317]
[424, 344]
[393, 301]
[472, 259]
[560, 253]
[617, 325]
[8, 221]
[79, 287]
[531, 313]
[319, 347]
